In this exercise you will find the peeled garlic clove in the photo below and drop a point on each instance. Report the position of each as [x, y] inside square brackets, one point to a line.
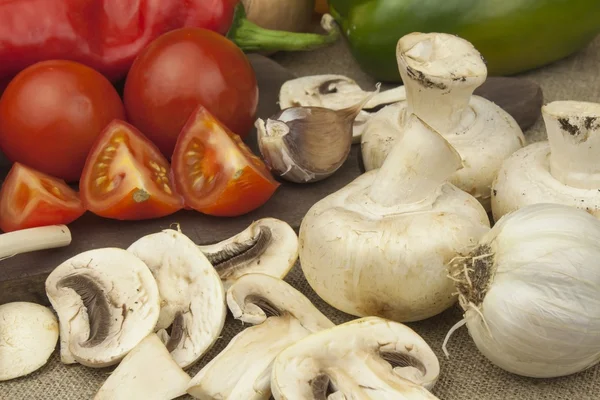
[336, 92]
[307, 144]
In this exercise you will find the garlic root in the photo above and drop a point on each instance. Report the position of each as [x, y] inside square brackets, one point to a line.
[563, 170]
[440, 73]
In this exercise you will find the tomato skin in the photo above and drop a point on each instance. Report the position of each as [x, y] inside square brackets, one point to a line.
[182, 69]
[27, 200]
[125, 177]
[51, 113]
[234, 181]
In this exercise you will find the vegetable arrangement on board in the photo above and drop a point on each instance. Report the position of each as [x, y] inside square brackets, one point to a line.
[403, 242]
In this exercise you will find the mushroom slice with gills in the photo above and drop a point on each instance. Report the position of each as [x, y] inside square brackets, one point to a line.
[28, 336]
[193, 297]
[147, 372]
[336, 92]
[440, 73]
[107, 301]
[367, 358]
[281, 316]
[268, 246]
[562, 170]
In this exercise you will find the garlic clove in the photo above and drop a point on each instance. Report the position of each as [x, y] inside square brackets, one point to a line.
[308, 144]
[336, 92]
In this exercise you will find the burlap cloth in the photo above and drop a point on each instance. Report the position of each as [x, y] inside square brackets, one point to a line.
[466, 375]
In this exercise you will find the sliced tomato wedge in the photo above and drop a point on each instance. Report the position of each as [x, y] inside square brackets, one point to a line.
[30, 198]
[125, 176]
[215, 172]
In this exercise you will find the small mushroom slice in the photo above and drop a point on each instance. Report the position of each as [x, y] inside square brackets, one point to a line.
[336, 92]
[28, 336]
[367, 358]
[268, 246]
[107, 301]
[148, 372]
[193, 297]
[282, 316]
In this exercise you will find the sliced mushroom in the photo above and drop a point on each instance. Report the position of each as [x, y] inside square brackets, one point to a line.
[336, 92]
[107, 301]
[367, 358]
[28, 336]
[281, 315]
[193, 297]
[148, 372]
[268, 246]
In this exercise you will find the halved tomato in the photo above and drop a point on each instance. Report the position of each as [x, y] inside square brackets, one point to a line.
[30, 198]
[126, 177]
[215, 172]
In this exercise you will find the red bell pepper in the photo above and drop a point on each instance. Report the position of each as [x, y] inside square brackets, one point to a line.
[108, 34]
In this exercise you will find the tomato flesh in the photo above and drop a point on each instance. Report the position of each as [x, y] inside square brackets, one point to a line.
[30, 198]
[126, 177]
[215, 172]
[182, 69]
[51, 114]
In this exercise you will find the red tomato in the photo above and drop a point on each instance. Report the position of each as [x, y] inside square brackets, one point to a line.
[51, 113]
[126, 177]
[30, 198]
[184, 68]
[216, 172]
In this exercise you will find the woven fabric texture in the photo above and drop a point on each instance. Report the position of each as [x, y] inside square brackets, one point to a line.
[466, 375]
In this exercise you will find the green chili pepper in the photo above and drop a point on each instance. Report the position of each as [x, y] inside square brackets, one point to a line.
[512, 35]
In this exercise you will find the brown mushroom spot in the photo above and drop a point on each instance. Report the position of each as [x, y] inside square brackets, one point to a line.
[235, 255]
[423, 80]
[321, 386]
[96, 303]
[269, 308]
[328, 87]
[400, 359]
[175, 332]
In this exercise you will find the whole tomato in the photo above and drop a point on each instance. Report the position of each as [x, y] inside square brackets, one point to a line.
[185, 68]
[51, 114]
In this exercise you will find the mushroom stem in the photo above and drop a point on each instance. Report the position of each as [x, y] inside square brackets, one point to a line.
[440, 73]
[573, 129]
[33, 239]
[417, 165]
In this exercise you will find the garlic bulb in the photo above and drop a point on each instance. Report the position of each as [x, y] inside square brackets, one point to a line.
[563, 170]
[531, 291]
[308, 144]
[440, 73]
[379, 246]
[336, 92]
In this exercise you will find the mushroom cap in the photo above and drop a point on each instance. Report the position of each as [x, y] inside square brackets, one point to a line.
[525, 179]
[147, 372]
[283, 316]
[107, 301]
[483, 143]
[366, 260]
[28, 337]
[365, 358]
[255, 297]
[268, 246]
[192, 295]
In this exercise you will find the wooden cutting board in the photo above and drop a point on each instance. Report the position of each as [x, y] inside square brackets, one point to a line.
[22, 277]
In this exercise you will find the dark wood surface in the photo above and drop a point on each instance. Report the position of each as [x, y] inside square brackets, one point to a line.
[22, 277]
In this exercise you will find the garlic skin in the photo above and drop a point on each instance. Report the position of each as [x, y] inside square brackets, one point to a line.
[379, 246]
[440, 73]
[336, 92]
[562, 170]
[531, 295]
[307, 144]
